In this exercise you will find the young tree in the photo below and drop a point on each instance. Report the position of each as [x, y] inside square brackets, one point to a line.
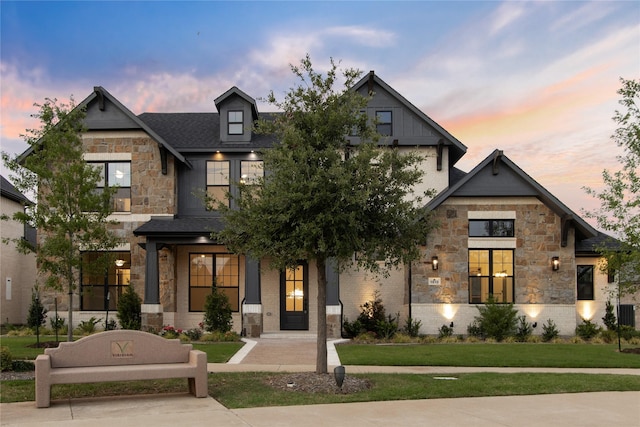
[322, 198]
[70, 215]
[619, 212]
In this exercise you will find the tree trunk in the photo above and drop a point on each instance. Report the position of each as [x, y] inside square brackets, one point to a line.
[321, 359]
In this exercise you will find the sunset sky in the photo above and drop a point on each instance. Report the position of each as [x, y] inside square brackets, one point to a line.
[535, 79]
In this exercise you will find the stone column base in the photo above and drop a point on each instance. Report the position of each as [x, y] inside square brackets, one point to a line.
[334, 326]
[152, 318]
[252, 320]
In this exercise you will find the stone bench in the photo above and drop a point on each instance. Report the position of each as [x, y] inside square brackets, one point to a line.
[121, 355]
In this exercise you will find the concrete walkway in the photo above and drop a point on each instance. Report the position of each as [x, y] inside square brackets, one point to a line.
[579, 409]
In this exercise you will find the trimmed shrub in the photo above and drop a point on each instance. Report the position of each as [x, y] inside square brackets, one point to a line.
[497, 321]
[217, 312]
[609, 318]
[445, 331]
[371, 313]
[587, 330]
[5, 359]
[130, 309]
[412, 327]
[387, 328]
[549, 331]
[352, 329]
[523, 330]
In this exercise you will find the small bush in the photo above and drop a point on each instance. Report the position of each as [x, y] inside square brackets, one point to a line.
[609, 336]
[130, 309]
[549, 331]
[111, 325]
[193, 334]
[628, 332]
[609, 318]
[170, 332]
[497, 321]
[474, 330]
[412, 327]
[22, 366]
[523, 330]
[57, 323]
[445, 331]
[352, 329]
[388, 327]
[373, 312]
[5, 359]
[217, 312]
[587, 330]
[87, 327]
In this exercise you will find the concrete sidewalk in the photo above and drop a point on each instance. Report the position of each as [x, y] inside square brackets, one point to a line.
[579, 409]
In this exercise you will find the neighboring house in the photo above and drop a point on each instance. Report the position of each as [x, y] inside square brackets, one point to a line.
[500, 232]
[17, 270]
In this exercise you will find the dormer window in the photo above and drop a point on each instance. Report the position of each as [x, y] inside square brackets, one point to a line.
[383, 123]
[235, 122]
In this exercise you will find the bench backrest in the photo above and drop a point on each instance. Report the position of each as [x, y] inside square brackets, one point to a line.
[121, 347]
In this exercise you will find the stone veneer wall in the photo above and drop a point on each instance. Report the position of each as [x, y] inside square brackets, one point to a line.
[537, 240]
[152, 193]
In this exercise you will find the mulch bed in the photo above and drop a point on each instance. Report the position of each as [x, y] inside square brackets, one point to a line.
[310, 382]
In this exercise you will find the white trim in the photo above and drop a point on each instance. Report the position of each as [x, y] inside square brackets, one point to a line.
[151, 308]
[252, 308]
[94, 157]
[334, 309]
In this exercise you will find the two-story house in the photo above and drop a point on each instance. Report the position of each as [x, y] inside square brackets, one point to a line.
[500, 234]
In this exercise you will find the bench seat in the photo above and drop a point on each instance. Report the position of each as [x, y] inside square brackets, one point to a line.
[119, 356]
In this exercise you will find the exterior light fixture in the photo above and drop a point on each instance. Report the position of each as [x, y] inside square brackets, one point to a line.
[339, 374]
[555, 263]
[434, 262]
[119, 262]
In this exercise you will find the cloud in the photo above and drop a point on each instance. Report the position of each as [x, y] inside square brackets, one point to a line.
[505, 16]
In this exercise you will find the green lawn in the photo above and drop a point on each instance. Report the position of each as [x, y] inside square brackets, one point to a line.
[484, 355]
[249, 389]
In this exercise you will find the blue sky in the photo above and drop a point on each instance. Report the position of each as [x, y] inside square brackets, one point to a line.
[535, 79]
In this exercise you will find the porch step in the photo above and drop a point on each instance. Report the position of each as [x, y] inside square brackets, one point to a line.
[289, 335]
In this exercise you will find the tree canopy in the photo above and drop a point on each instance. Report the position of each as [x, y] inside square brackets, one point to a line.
[619, 212]
[323, 198]
[70, 215]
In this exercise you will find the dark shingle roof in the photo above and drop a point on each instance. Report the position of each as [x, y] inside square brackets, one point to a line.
[173, 227]
[589, 247]
[9, 191]
[189, 132]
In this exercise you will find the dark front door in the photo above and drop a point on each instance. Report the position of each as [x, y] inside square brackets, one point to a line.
[294, 298]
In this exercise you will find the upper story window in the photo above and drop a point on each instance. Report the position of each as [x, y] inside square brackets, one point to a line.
[116, 174]
[218, 180]
[251, 171]
[491, 227]
[235, 122]
[383, 123]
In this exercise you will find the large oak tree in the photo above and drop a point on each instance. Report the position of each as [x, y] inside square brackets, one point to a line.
[322, 198]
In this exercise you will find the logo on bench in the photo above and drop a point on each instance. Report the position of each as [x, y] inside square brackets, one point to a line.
[122, 349]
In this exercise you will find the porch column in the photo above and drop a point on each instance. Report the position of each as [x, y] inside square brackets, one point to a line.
[252, 305]
[152, 319]
[334, 307]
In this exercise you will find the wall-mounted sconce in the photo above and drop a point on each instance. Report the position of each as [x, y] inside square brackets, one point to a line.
[434, 262]
[555, 263]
